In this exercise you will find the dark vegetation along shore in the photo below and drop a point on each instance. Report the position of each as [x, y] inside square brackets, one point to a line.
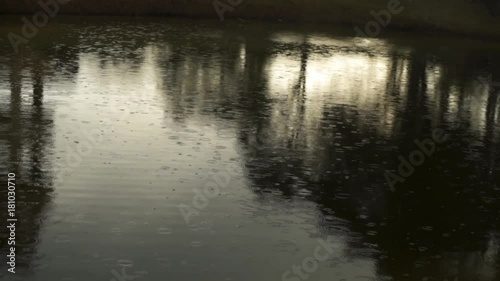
[459, 16]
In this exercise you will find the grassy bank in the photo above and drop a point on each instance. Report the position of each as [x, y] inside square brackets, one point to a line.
[459, 16]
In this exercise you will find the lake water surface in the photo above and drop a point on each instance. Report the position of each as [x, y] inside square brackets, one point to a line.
[195, 150]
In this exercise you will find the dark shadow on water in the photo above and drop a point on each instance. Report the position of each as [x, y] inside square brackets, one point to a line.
[26, 138]
[327, 142]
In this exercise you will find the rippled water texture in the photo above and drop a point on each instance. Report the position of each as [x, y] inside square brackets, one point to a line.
[193, 150]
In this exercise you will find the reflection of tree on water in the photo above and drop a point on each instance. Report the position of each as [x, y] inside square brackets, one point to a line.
[25, 142]
[443, 215]
[440, 211]
[492, 136]
[440, 218]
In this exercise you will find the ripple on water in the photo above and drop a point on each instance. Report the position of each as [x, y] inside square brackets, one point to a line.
[196, 244]
[125, 263]
[164, 230]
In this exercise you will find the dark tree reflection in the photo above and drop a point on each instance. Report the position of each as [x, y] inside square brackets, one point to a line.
[25, 143]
